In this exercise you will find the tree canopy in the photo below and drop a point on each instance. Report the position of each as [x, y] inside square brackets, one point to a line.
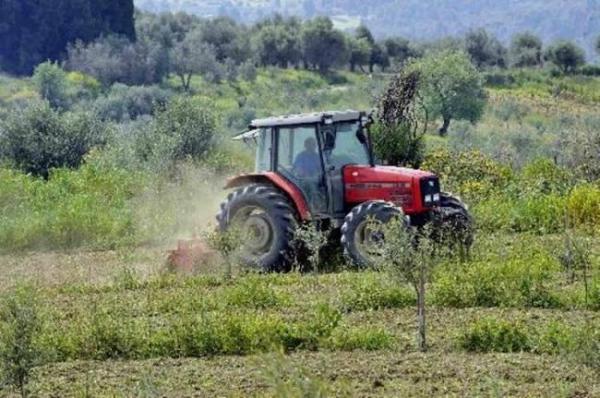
[451, 87]
[485, 49]
[33, 31]
[566, 55]
[526, 50]
[323, 45]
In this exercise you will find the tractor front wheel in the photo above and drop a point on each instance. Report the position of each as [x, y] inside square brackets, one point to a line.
[363, 232]
[453, 225]
[264, 221]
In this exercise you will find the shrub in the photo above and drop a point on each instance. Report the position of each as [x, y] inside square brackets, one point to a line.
[581, 147]
[86, 207]
[51, 82]
[361, 338]
[38, 139]
[20, 326]
[287, 379]
[544, 176]
[471, 173]
[124, 103]
[398, 134]
[314, 330]
[522, 282]
[112, 337]
[542, 214]
[493, 335]
[586, 348]
[82, 87]
[115, 59]
[255, 293]
[184, 128]
[555, 338]
[590, 70]
[583, 206]
[373, 294]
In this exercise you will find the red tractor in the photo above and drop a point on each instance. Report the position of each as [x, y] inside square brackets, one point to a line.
[320, 168]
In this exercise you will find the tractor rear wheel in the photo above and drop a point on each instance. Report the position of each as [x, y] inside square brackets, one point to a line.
[453, 224]
[265, 221]
[362, 231]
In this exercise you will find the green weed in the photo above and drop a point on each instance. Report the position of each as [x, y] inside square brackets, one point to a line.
[493, 335]
[361, 338]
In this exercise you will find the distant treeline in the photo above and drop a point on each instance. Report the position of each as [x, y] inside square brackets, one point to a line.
[99, 38]
[33, 31]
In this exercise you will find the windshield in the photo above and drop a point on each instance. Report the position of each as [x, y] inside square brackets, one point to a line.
[347, 148]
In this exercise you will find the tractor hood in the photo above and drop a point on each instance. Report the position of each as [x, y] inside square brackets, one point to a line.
[383, 174]
[416, 191]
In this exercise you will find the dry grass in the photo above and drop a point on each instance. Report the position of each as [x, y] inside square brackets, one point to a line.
[358, 373]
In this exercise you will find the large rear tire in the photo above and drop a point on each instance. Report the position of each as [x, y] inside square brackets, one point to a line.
[362, 232]
[265, 221]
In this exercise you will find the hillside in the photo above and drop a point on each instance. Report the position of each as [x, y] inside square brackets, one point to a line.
[578, 20]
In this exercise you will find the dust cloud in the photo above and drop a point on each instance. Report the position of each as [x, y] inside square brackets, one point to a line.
[182, 207]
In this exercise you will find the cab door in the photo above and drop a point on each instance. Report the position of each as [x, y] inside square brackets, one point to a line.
[333, 172]
[298, 158]
[344, 144]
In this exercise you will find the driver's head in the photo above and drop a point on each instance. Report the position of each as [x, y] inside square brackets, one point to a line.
[310, 144]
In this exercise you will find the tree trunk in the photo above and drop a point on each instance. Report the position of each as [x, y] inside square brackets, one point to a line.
[187, 81]
[422, 338]
[444, 129]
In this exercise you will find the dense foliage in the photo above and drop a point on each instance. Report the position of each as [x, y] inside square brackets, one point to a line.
[35, 31]
[38, 139]
[451, 88]
[417, 19]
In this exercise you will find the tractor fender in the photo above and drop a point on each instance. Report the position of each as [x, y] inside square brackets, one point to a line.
[287, 187]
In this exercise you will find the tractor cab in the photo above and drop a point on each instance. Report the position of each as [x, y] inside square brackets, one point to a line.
[311, 151]
[320, 167]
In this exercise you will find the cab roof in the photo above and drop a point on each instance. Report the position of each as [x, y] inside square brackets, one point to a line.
[307, 118]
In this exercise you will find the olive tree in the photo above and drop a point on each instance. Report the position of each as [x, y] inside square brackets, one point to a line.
[399, 49]
[277, 42]
[194, 56]
[360, 53]
[485, 49]
[451, 87]
[526, 50]
[185, 128]
[322, 45]
[38, 138]
[566, 55]
[410, 255]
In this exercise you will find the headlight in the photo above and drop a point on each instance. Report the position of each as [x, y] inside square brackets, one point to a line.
[427, 198]
[436, 197]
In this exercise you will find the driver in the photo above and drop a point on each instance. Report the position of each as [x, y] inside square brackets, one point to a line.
[308, 162]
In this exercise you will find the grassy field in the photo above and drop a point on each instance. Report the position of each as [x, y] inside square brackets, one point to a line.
[82, 264]
[508, 322]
